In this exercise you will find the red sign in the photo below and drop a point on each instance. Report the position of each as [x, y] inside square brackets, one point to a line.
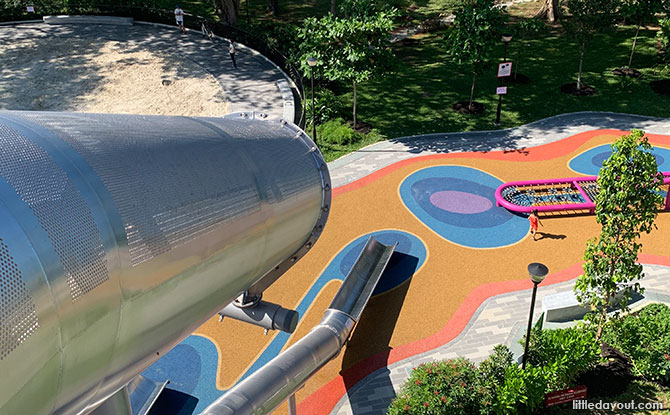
[565, 395]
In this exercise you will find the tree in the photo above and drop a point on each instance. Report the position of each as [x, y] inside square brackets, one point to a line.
[638, 12]
[588, 17]
[354, 49]
[477, 28]
[550, 10]
[626, 206]
[227, 10]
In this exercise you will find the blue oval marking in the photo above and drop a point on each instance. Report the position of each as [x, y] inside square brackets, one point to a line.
[590, 161]
[492, 228]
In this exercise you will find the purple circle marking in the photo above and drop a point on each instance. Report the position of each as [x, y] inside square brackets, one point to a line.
[460, 202]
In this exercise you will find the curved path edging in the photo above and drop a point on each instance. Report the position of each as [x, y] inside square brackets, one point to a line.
[362, 162]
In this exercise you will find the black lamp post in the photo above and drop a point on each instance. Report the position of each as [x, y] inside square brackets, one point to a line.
[505, 38]
[537, 273]
[246, 3]
[312, 62]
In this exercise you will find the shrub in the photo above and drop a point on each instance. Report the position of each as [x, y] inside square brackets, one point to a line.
[523, 390]
[645, 338]
[445, 387]
[327, 106]
[663, 37]
[565, 353]
[336, 132]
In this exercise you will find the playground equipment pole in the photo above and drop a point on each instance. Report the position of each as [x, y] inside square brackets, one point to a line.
[537, 273]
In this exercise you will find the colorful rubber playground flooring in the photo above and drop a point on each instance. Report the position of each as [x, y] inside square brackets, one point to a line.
[453, 241]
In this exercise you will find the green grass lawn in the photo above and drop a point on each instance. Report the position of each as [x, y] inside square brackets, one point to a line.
[418, 97]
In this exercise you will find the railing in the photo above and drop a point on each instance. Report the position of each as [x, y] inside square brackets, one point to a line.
[158, 15]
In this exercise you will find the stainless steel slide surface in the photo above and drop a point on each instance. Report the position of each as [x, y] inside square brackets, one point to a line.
[121, 234]
[263, 391]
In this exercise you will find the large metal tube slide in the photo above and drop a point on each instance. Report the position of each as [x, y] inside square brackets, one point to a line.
[121, 234]
[268, 387]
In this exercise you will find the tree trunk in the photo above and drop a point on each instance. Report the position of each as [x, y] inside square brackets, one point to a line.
[274, 6]
[227, 10]
[332, 8]
[354, 105]
[630, 61]
[472, 90]
[581, 60]
[549, 11]
[602, 319]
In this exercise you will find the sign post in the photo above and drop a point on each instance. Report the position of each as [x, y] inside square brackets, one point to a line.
[504, 70]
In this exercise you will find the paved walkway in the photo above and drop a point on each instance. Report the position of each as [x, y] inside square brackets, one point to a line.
[250, 87]
[376, 156]
[500, 319]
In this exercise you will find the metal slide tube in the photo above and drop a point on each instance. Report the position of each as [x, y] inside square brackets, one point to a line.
[280, 378]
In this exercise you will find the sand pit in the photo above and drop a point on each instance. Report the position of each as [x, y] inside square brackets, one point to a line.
[89, 74]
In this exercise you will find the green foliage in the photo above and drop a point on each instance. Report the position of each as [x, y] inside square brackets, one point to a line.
[477, 28]
[626, 206]
[639, 11]
[564, 353]
[522, 392]
[528, 27]
[353, 49]
[335, 132]
[663, 37]
[588, 17]
[445, 387]
[347, 49]
[645, 338]
[326, 103]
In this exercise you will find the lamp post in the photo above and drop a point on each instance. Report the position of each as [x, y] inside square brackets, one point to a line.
[505, 38]
[246, 3]
[537, 273]
[312, 62]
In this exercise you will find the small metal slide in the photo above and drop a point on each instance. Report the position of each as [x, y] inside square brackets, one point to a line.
[280, 378]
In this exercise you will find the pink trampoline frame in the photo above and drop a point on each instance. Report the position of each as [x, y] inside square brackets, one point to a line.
[574, 182]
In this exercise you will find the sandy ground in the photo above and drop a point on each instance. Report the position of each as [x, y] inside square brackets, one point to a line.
[85, 74]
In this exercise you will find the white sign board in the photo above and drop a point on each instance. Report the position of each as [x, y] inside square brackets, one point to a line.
[504, 69]
[30, 9]
[501, 90]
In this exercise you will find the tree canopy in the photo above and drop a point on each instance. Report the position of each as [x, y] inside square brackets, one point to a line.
[626, 206]
[478, 26]
[351, 49]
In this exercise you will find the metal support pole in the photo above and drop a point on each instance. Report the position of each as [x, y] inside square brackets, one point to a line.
[292, 409]
[530, 324]
[502, 83]
[247, 6]
[313, 109]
